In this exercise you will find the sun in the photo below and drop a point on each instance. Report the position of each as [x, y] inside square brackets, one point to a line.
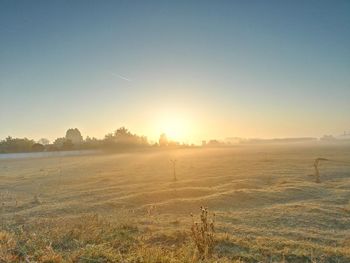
[175, 127]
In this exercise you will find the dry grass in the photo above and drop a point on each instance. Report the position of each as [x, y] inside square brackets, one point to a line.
[127, 208]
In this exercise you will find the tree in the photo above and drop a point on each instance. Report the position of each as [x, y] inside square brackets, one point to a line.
[123, 133]
[163, 140]
[74, 136]
[44, 141]
[123, 138]
[59, 142]
[91, 143]
[16, 145]
[37, 147]
[67, 145]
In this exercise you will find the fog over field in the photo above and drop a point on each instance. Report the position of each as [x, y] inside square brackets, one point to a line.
[267, 207]
[174, 131]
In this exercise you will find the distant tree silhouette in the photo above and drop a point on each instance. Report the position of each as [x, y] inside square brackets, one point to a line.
[91, 143]
[15, 145]
[67, 145]
[163, 140]
[44, 141]
[74, 136]
[123, 138]
[37, 147]
[59, 142]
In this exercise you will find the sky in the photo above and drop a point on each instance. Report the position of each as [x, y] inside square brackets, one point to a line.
[193, 69]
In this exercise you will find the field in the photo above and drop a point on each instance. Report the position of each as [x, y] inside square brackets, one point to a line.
[126, 207]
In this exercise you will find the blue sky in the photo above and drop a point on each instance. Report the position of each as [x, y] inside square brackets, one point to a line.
[217, 68]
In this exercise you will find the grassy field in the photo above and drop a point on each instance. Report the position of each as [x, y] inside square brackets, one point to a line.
[127, 207]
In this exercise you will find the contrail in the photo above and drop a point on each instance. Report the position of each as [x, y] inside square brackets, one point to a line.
[121, 77]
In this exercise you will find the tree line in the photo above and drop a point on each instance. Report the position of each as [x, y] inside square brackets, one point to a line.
[120, 139]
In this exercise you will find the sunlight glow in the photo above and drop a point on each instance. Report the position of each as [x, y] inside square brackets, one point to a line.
[175, 127]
